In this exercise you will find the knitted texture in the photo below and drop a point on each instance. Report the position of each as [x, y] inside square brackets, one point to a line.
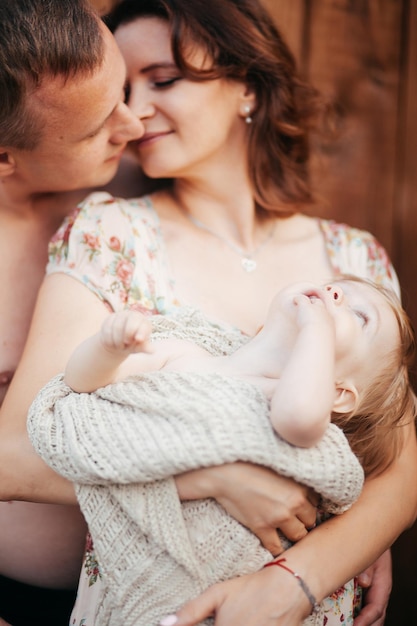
[122, 444]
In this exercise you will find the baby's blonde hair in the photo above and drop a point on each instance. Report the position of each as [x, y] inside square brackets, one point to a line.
[375, 429]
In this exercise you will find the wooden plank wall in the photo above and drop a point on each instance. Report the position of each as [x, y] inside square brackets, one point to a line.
[363, 55]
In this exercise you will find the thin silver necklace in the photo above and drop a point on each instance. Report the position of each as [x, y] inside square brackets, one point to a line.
[247, 261]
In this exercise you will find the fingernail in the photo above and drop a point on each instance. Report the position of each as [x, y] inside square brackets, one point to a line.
[169, 620]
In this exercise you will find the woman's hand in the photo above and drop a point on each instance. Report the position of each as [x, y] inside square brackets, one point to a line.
[256, 497]
[251, 600]
[377, 580]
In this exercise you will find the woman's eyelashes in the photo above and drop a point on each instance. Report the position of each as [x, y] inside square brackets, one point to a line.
[166, 82]
[156, 83]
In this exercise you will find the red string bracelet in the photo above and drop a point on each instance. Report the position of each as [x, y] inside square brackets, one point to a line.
[301, 582]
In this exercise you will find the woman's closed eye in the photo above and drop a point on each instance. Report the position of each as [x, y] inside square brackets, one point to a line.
[167, 82]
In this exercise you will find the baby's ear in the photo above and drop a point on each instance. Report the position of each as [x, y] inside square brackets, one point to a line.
[347, 397]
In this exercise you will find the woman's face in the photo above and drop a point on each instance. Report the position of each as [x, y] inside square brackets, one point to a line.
[189, 126]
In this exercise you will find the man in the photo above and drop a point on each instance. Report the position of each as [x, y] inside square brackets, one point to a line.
[63, 128]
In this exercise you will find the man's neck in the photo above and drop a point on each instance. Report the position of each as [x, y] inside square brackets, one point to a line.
[51, 207]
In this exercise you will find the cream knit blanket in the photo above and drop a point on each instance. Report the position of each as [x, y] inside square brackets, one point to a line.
[121, 446]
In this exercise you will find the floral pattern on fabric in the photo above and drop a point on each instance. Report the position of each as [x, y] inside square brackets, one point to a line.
[115, 247]
[354, 251]
[91, 566]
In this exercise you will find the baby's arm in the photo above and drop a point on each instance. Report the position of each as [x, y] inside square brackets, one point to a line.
[98, 360]
[305, 393]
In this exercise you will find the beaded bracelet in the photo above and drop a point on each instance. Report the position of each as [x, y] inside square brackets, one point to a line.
[301, 582]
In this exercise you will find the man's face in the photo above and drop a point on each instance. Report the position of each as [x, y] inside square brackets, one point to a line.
[86, 128]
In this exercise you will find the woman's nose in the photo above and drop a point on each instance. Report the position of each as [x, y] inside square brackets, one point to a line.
[335, 292]
[140, 105]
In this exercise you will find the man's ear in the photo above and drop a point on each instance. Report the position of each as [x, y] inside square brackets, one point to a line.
[347, 397]
[7, 163]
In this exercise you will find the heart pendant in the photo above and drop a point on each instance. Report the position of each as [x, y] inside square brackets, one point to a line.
[249, 265]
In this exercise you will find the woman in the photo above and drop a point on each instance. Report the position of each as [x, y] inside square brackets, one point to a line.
[236, 146]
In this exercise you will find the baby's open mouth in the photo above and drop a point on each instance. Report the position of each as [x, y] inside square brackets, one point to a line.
[313, 295]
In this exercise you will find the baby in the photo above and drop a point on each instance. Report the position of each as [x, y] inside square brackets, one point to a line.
[143, 400]
[326, 352]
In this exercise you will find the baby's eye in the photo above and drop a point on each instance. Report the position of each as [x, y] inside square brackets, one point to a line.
[362, 316]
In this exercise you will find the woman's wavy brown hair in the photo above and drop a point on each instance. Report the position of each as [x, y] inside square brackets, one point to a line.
[243, 44]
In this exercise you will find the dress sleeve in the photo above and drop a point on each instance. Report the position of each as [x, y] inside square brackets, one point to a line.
[354, 251]
[99, 245]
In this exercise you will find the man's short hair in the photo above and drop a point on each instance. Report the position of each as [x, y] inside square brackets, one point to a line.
[41, 39]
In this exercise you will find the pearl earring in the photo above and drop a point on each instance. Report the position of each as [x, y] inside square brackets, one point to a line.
[247, 111]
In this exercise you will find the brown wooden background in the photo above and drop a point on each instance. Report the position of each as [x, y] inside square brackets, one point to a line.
[363, 55]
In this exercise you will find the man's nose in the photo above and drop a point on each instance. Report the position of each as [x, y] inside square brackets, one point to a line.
[133, 127]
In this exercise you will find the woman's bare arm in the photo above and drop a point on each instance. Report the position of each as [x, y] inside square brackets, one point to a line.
[326, 558]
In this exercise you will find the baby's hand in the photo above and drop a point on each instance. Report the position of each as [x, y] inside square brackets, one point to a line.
[126, 331]
[311, 310]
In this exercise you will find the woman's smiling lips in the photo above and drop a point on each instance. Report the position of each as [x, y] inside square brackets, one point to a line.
[149, 138]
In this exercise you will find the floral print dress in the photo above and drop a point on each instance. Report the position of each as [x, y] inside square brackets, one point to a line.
[115, 248]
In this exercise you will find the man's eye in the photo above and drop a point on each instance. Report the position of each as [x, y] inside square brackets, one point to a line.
[94, 133]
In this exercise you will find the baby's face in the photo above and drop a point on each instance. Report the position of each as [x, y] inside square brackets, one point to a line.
[365, 325]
